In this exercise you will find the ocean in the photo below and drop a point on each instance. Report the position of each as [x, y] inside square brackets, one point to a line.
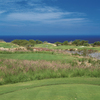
[53, 38]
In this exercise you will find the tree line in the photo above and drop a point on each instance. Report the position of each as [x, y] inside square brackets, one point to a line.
[26, 42]
[75, 42]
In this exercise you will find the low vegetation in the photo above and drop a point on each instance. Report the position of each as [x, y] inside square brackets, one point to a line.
[26, 42]
[49, 71]
[13, 71]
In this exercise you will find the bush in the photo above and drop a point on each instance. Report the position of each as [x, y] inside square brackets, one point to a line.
[65, 43]
[86, 44]
[57, 43]
[80, 42]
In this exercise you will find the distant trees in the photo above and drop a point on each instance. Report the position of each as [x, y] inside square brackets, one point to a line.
[38, 42]
[58, 43]
[80, 42]
[26, 42]
[76, 42]
[97, 43]
[33, 42]
[65, 43]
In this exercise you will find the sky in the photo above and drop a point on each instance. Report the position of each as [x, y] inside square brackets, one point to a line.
[49, 17]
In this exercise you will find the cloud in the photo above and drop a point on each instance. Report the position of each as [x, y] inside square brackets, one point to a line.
[36, 16]
[1, 12]
[36, 11]
[50, 17]
[19, 5]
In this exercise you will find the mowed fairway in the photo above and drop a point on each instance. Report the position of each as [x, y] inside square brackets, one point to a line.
[53, 89]
[38, 56]
[63, 47]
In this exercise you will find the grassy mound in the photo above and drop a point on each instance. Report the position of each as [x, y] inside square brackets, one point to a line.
[7, 45]
[53, 89]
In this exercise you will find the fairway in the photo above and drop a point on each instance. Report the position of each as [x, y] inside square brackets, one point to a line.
[53, 89]
[38, 56]
[63, 47]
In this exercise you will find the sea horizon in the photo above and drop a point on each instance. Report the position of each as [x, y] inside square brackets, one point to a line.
[51, 38]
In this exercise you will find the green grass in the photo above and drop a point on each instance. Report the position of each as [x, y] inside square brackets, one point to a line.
[53, 89]
[81, 87]
[38, 56]
[50, 46]
[45, 45]
[8, 45]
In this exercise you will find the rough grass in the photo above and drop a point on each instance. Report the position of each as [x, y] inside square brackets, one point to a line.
[53, 89]
[14, 71]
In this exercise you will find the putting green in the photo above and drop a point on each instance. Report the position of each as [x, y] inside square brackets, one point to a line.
[68, 89]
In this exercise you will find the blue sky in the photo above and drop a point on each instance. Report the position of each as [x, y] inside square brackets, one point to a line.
[49, 17]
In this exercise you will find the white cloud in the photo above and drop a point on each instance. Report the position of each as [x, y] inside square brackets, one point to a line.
[68, 20]
[36, 16]
[1, 12]
[47, 9]
[46, 16]
[34, 11]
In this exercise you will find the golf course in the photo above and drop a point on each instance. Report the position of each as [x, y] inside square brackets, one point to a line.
[48, 75]
[49, 49]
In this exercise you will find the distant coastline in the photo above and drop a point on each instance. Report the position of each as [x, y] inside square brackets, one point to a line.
[53, 38]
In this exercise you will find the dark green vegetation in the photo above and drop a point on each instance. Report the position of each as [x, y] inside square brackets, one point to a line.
[53, 89]
[26, 42]
[33, 42]
[97, 43]
[80, 42]
[75, 43]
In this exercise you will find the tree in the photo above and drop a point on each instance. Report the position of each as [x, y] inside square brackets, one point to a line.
[57, 43]
[33, 42]
[79, 42]
[76, 42]
[24, 42]
[65, 43]
[86, 44]
[38, 42]
[21, 42]
[97, 43]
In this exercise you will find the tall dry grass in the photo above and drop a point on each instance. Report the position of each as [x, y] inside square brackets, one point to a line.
[13, 71]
